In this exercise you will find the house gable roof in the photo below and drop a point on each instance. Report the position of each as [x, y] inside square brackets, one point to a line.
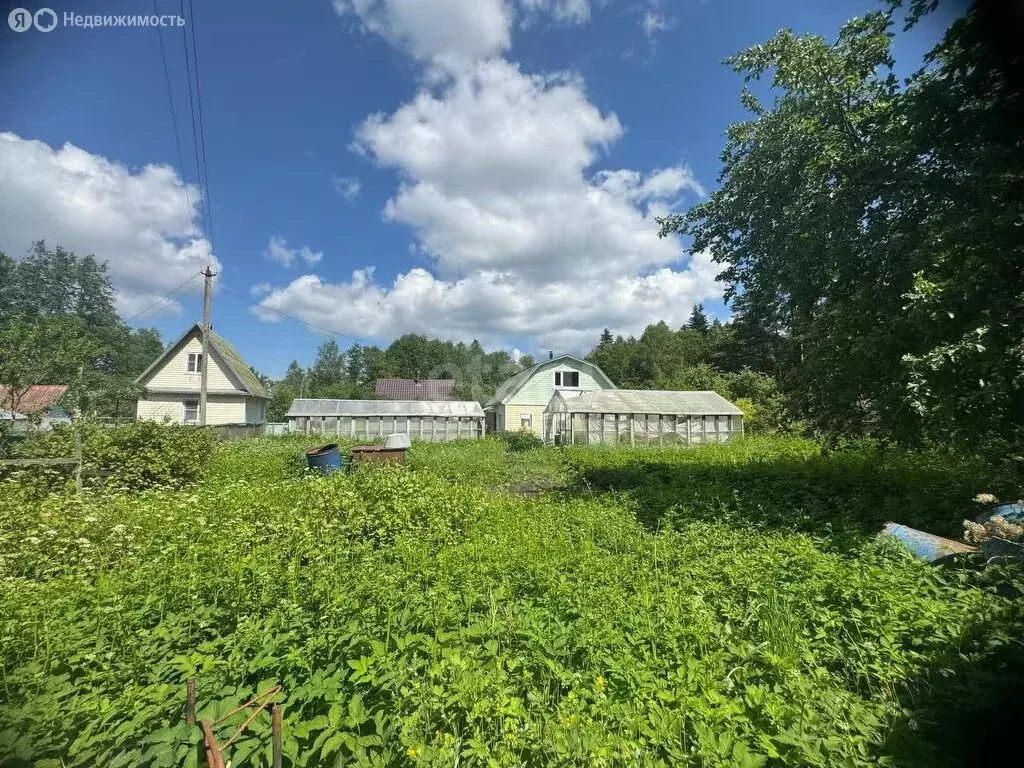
[415, 389]
[511, 386]
[38, 397]
[227, 354]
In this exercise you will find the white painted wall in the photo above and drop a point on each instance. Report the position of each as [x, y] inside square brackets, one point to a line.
[540, 387]
[174, 372]
[220, 409]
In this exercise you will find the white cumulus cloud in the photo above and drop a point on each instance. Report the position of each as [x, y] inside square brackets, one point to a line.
[564, 315]
[494, 177]
[278, 250]
[451, 33]
[524, 239]
[145, 223]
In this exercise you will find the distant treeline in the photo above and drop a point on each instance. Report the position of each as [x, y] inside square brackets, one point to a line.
[701, 355]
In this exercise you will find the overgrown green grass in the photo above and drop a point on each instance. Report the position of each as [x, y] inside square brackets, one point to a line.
[415, 617]
[795, 484]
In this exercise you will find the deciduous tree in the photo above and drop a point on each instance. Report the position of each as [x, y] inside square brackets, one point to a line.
[876, 226]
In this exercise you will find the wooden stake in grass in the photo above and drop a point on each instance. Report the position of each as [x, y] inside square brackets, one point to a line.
[78, 459]
[190, 701]
[275, 735]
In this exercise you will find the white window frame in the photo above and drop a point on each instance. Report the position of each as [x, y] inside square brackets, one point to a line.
[184, 411]
[526, 420]
[560, 380]
[194, 363]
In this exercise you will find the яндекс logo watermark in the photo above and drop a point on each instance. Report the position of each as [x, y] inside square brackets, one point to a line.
[46, 19]
[21, 20]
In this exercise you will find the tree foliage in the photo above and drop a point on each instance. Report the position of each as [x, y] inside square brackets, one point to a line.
[698, 320]
[353, 373]
[59, 325]
[714, 359]
[876, 225]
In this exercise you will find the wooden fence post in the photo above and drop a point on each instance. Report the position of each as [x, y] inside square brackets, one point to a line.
[78, 458]
[190, 701]
[276, 740]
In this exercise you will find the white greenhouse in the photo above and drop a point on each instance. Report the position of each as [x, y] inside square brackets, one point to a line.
[433, 421]
[641, 417]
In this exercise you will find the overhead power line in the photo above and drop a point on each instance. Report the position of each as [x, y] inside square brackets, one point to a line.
[202, 127]
[198, 138]
[248, 300]
[166, 297]
[174, 122]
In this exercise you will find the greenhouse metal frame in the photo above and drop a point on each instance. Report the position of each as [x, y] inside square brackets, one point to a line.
[641, 417]
[431, 421]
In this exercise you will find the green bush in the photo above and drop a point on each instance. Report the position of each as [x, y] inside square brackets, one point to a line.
[520, 441]
[128, 457]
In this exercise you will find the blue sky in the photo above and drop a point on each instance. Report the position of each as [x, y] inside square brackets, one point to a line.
[464, 168]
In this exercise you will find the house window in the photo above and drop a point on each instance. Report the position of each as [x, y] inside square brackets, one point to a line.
[191, 411]
[526, 421]
[567, 378]
[195, 362]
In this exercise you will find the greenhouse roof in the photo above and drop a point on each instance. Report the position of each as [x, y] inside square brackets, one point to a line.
[438, 408]
[646, 401]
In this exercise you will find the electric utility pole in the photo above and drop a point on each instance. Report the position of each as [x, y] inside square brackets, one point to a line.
[208, 274]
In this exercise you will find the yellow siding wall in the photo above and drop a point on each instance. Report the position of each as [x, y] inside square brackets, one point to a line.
[513, 415]
[174, 372]
[220, 409]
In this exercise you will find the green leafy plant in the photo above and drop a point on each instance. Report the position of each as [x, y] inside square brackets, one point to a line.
[415, 618]
[128, 457]
[520, 441]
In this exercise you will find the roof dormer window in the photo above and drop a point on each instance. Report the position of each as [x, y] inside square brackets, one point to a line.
[567, 378]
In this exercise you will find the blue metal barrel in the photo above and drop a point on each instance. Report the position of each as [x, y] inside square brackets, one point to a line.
[324, 458]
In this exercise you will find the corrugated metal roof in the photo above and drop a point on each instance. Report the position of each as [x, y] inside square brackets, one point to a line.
[38, 397]
[665, 402]
[440, 408]
[415, 389]
[511, 386]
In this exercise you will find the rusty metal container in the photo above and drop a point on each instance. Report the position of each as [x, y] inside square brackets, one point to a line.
[377, 454]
